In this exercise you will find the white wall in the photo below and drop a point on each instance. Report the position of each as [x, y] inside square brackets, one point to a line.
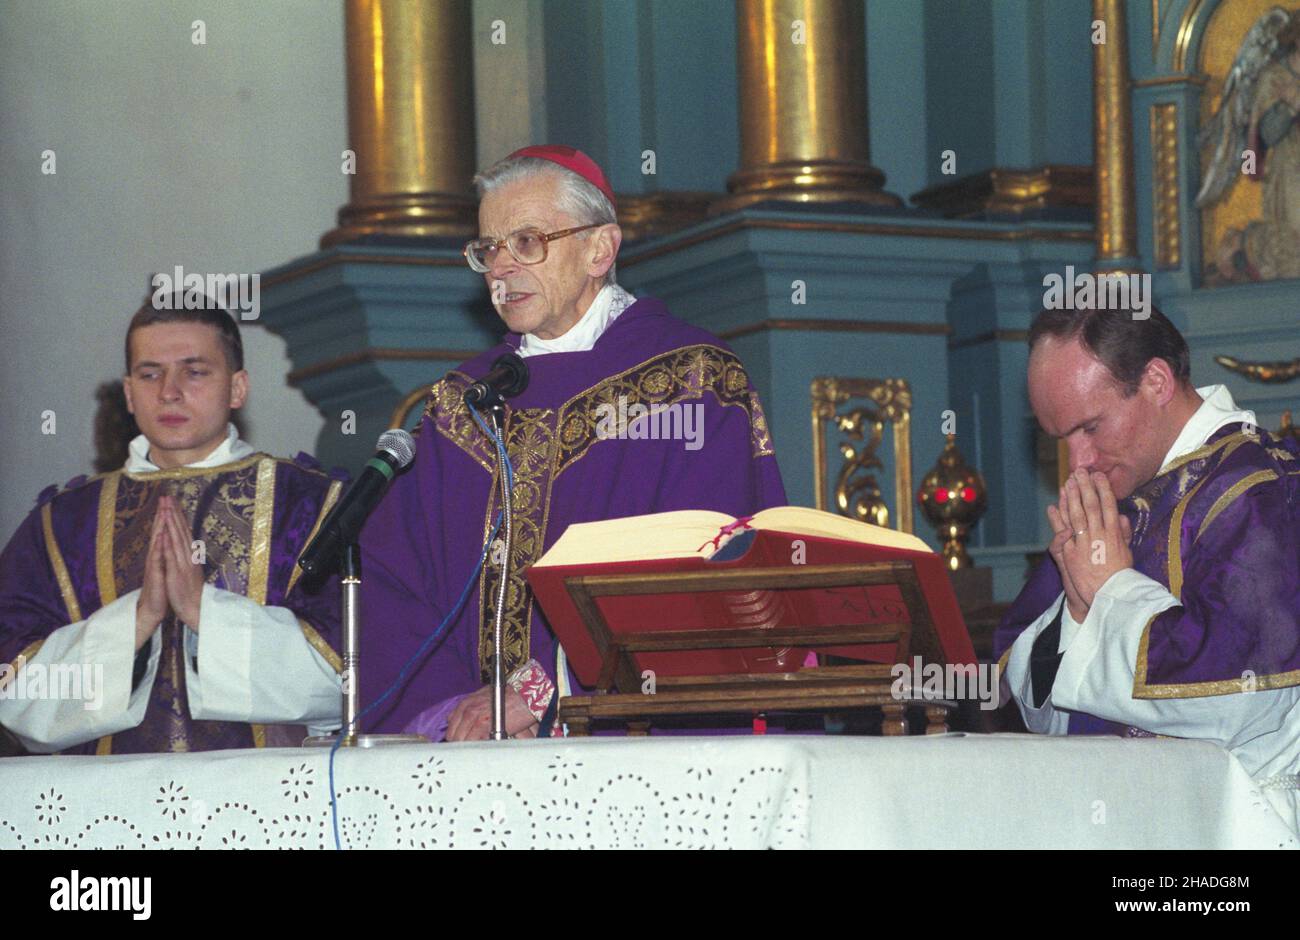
[218, 157]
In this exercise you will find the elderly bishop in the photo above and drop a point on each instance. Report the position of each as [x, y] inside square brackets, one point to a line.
[595, 354]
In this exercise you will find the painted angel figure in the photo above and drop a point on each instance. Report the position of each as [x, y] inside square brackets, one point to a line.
[1256, 133]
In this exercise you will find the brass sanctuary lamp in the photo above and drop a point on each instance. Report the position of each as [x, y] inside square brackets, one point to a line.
[953, 497]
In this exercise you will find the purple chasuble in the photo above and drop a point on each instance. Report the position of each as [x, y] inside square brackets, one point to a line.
[423, 542]
[1220, 530]
[85, 547]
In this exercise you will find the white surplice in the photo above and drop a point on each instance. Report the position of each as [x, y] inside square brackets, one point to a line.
[254, 663]
[1096, 675]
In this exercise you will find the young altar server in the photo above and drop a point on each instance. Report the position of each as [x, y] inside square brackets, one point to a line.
[158, 607]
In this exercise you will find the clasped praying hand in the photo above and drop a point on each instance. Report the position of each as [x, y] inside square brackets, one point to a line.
[1091, 541]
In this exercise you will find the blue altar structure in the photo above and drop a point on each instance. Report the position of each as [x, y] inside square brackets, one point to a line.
[962, 95]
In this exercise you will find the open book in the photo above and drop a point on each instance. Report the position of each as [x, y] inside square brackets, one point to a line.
[788, 537]
[701, 532]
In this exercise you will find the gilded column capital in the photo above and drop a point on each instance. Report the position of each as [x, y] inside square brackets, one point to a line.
[802, 68]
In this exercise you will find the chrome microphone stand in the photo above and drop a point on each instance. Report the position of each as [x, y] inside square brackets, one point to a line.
[351, 730]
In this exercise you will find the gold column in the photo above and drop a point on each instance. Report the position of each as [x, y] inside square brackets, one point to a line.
[803, 105]
[1112, 128]
[410, 119]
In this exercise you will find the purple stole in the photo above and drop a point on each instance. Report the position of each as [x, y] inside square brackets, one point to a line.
[1220, 530]
[85, 547]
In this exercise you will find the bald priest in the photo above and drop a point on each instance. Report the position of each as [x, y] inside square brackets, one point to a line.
[1170, 603]
[547, 253]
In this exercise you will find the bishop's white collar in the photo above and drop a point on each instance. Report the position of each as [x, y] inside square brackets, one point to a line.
[228, 451]
[609, 302]
[1216, 410]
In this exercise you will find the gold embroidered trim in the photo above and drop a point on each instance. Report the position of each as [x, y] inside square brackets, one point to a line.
[1141, 688]
[319, 644]
[259, 735]
[60, 568]
[1175, 559]
[104, 539]
[531, 442]
[1239, 438]
[541, 447]
[331, 497]
[671, 377]
[486, 621]
[1230, 495]
[451, 418]
[180, 473]
[666, 379]
[260, 538]
[105, 746]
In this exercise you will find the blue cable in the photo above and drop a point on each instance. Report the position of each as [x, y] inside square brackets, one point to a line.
[437, 634]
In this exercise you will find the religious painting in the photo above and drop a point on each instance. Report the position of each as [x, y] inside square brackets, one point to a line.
[1250, 143]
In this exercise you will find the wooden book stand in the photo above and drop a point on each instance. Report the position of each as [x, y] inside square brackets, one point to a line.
[619, 696]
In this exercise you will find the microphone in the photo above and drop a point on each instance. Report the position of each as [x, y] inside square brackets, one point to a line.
[508, 378]
[396, 449]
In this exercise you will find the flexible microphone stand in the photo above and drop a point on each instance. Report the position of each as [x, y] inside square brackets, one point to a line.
[507, 513]
[401, 447]
[509, 377]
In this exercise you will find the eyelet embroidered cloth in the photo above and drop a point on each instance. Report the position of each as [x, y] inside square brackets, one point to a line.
[995, 791]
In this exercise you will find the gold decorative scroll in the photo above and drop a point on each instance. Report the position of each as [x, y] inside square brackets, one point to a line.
[857, 493]
[1164, 154]
[1261, 371]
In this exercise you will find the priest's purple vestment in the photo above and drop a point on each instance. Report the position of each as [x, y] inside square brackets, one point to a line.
[84, 547]
[1219, 529]
[422, 544]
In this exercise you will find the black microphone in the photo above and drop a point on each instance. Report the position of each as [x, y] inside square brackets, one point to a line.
[508, 378]
[396, 449]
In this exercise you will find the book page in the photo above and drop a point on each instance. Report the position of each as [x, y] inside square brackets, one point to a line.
[692, 532]
[800, 520]
[637, 538]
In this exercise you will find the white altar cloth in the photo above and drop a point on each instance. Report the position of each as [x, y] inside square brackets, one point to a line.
[955, 791]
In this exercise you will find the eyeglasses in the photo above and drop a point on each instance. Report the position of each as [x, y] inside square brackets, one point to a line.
[528, 245]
